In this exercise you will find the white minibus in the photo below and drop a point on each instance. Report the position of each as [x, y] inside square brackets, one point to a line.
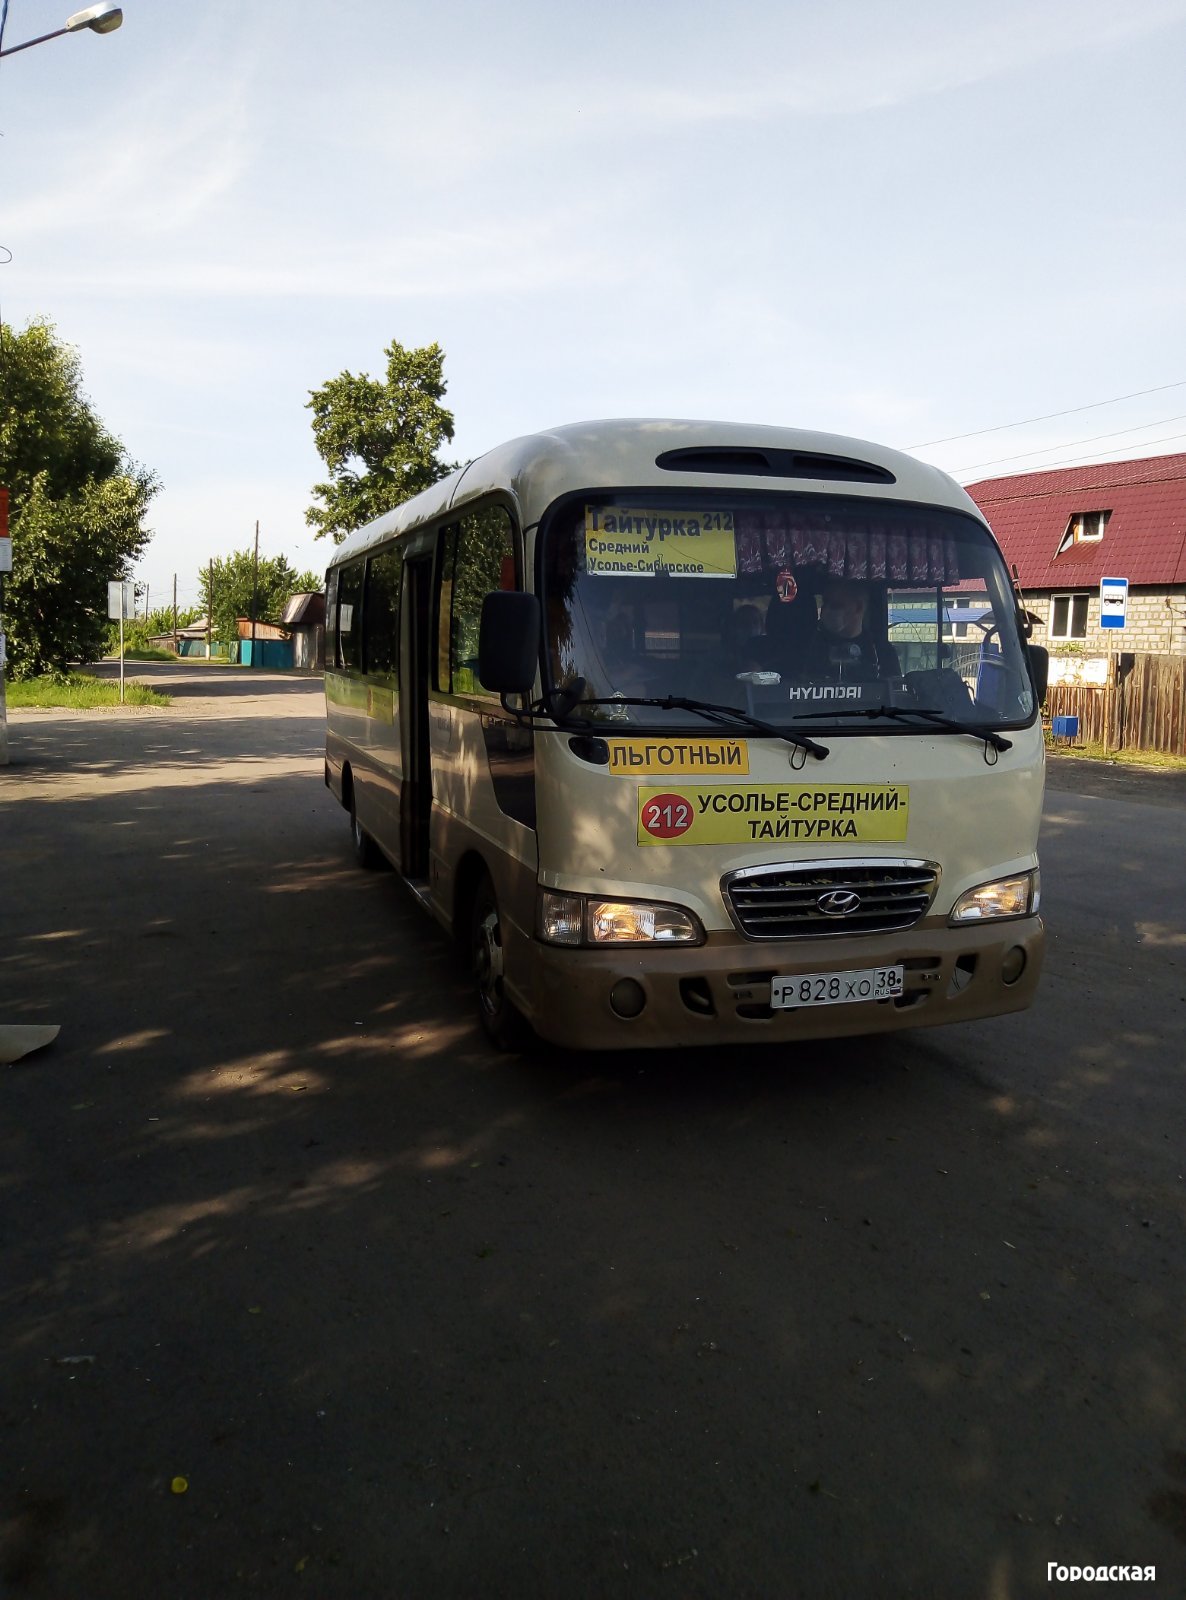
[697, 733]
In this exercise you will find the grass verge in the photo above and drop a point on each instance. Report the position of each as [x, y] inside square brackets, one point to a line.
[78, 691]
[1095, 751]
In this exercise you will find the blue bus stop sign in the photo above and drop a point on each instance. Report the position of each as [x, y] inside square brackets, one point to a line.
[1113, 602]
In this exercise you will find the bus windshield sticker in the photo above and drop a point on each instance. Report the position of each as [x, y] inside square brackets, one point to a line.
[854, 813]
[623, 542]
[680, 757]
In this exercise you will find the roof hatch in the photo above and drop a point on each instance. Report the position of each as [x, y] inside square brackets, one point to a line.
[756, 462]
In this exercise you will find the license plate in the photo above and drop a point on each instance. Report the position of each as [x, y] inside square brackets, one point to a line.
[835, 988]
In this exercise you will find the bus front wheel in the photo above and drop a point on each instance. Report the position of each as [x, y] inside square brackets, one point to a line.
[504, 1024]
[366, 852]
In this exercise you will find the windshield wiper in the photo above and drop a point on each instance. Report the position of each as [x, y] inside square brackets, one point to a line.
[705, 708]
[906, 713]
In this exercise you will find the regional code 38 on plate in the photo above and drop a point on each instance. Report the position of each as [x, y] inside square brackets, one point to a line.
[836, 988]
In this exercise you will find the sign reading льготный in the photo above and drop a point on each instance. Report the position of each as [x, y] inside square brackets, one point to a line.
[678, 758]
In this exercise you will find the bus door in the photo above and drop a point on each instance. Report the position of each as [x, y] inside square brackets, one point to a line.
[415, 667]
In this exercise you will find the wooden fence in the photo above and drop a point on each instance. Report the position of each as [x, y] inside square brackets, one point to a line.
[1143, 708]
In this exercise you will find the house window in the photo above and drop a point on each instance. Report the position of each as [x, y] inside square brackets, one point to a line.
[1068, 616]
[1084, 527]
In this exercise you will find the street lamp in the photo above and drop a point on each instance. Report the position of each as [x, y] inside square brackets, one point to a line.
[103, 18]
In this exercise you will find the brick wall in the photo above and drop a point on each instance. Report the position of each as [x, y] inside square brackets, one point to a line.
[1151, 625]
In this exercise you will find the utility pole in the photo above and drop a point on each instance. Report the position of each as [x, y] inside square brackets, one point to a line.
[5, 566]
[3, 700]
[176, 649]
[209, 605]
[255, 594]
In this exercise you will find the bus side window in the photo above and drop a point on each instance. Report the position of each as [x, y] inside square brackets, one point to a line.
[380, 613]
[446, 561]
[331, 619]
[483, 559]
[350, 615]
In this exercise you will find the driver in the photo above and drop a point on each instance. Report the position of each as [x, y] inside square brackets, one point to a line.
[843, 644]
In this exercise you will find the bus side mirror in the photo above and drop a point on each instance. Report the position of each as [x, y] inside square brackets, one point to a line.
[508, 641]
[1040, 668]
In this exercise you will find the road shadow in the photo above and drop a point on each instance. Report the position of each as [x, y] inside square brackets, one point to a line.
[185, 680]
[279, 1224]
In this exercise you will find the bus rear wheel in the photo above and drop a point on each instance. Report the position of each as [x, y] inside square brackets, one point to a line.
[503, 1023]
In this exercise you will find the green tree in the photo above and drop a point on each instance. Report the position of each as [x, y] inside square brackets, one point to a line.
[160, 619]
[379, 438]
[237, 590]
[77, 505]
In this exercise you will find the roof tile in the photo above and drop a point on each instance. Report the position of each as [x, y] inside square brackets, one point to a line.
[1144, 541]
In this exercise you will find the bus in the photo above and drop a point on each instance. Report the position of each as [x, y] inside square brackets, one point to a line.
[668, 724]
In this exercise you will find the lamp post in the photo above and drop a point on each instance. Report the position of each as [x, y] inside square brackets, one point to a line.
[103, 18]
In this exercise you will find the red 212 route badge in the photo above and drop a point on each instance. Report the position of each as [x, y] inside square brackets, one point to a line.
[666, 816]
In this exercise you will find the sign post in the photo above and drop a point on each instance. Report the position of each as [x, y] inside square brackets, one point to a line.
[121, 603]
[1113, 611]
[5, 566]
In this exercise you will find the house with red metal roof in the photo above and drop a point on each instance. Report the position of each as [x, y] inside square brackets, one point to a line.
[1066, 529]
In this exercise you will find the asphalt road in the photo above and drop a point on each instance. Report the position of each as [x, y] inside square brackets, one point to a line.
[899, 1318]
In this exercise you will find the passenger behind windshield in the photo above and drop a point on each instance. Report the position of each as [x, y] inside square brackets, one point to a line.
[744, 638]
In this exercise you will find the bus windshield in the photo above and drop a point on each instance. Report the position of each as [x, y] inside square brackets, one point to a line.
[803, 608]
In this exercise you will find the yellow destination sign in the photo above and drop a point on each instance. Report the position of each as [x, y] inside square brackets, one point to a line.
[680, 758]
[853, 813]
[626, 542]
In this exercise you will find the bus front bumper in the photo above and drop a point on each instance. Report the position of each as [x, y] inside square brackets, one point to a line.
[719, 992]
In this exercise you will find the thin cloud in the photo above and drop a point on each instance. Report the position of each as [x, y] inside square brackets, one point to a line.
[493, 257]
[158, 177]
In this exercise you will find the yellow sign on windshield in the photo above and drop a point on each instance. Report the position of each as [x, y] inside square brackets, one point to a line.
[621, 541]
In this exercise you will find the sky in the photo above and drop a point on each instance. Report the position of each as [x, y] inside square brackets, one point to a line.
[904, 223]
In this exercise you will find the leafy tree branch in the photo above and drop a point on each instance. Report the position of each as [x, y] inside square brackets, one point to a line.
[379, 438]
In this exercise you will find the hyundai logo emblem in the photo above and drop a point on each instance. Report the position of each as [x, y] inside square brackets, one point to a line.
[838, 903]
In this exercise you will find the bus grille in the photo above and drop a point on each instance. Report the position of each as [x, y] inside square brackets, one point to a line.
[821, 899]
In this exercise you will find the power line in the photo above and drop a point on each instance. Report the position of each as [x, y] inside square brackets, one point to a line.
[1068, 444]
[1099, 457]
[1001, 427]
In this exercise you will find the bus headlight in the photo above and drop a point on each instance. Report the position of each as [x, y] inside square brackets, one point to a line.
[639, 922]
[572, 919]
[1004, 897]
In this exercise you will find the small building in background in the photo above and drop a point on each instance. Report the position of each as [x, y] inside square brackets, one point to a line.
[1066, 529]
[263, 644]
[188, 641]
[304, 617]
